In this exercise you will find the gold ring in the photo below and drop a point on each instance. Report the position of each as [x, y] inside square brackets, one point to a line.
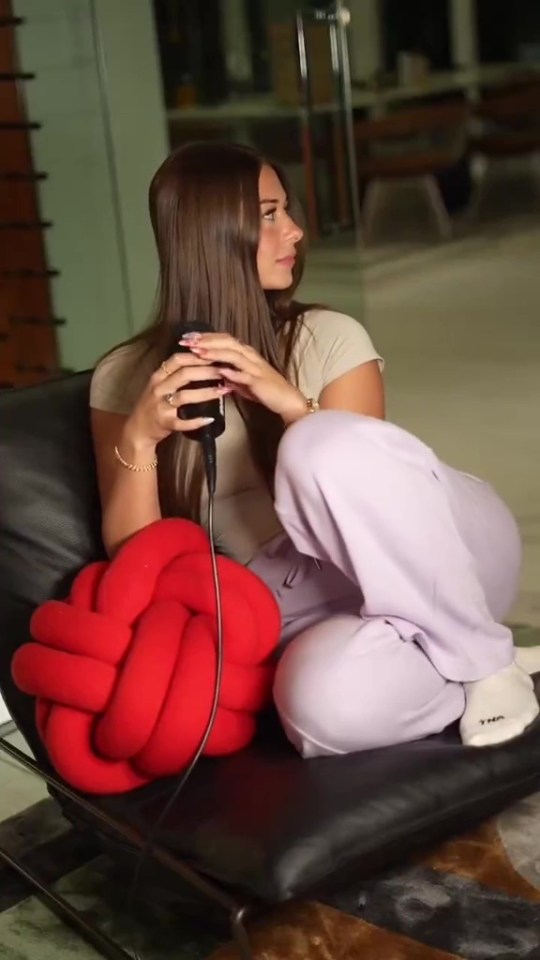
[165, 369]
[170, 399]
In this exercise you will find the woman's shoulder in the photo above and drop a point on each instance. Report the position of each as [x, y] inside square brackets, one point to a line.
[120, 377]
[331, 344]
[327, 330]
[323, 321]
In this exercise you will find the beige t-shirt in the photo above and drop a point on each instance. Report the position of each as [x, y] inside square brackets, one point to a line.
[329, 345]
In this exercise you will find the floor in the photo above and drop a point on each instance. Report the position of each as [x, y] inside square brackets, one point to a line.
[459, 326]
[462, 342]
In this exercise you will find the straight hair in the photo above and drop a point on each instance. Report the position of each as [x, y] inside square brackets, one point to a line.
[205, 214]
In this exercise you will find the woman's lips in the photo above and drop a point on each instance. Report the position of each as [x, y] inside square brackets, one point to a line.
[287, 261]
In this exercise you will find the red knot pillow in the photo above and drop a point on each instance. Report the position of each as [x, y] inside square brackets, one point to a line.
[124, 669]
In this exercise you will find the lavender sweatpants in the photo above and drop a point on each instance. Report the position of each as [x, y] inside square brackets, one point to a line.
[393, 576]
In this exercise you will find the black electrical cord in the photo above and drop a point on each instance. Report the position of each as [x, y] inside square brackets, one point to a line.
[209, 455]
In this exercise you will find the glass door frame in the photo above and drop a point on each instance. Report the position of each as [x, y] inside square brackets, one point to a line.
[336, 17]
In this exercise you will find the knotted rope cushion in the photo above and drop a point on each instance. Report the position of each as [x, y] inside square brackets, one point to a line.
[124, 669]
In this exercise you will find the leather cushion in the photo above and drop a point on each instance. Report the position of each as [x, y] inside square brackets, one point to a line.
[273, 826]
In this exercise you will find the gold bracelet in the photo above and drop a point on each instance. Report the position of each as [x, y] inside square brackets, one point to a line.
[143, 468]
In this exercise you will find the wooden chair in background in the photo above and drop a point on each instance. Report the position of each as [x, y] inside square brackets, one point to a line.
[412, 145]
[508, 122]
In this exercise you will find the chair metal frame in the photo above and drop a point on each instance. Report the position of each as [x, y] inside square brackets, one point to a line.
[238, 911]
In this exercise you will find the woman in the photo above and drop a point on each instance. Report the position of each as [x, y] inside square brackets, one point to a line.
[393, 571]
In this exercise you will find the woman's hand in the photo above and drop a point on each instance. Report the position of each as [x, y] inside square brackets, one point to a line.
[155, 414]
[249, 376]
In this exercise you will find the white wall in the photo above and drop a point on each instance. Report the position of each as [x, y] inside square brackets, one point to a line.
[97, 94]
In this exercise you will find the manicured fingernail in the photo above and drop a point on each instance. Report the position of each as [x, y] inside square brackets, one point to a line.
[187, 337]
[207, 420]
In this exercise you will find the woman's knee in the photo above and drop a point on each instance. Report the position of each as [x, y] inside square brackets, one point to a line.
[347, 685]
[311, 439]
[340, 441]
[324, 691]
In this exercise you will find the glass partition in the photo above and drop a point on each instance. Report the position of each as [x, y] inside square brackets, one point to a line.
[275, 75]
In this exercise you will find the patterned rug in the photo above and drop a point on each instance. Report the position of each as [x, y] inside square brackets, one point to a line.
[475, 897]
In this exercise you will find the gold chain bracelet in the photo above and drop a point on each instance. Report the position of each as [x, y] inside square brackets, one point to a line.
[143, 468]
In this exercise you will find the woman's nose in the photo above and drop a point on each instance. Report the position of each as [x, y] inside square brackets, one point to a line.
[293, 231]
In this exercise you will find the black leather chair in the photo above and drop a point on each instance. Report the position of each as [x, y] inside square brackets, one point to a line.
[256, 828]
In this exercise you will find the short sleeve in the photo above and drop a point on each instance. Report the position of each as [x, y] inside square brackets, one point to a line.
[330, 345]
[119, 379]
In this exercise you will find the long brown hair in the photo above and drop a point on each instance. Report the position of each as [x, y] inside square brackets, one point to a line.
[205, 213]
